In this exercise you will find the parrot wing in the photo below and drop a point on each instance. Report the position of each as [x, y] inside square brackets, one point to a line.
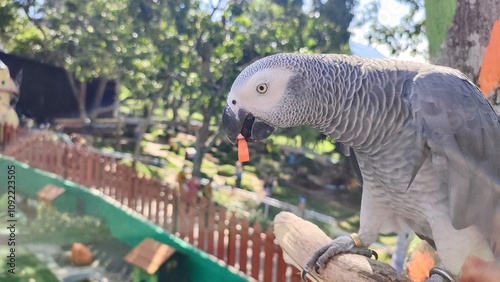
[462, 132]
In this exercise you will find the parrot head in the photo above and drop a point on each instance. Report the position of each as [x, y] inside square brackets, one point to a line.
[266, 95]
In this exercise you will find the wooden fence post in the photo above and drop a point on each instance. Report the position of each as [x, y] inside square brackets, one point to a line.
[256, 248]
[269, 255]
[210, 228]
[221, 227]
[281, 265]
[245, 229]
[231, 245]
[167, 199]
[191, 220]
[202, 223]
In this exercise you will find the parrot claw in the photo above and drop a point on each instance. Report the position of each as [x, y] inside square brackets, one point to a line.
[343, 244]
[439, 275]
[303, 275]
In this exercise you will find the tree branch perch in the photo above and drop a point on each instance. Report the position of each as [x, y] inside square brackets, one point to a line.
[299, 239]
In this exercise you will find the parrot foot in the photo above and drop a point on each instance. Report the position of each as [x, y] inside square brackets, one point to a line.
[439, 275]
[342, 244]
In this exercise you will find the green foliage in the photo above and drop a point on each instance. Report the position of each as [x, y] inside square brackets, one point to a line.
[180, 151]
[242, 207]
[249, 168]
[267, 167]
[246, 184]
[226, 170]
[398, 38]
[143, 170]
[304, 136]
[171, 165]
[54, 227]
[226, 153]
[198, 47]
[274, 151]
[4, 198]
[28, 267]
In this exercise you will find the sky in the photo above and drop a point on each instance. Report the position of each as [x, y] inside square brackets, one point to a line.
[390, 14]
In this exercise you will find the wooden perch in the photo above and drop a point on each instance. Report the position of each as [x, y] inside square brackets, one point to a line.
[299, 239]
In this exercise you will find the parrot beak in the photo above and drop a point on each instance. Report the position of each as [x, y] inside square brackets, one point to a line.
[253, 129]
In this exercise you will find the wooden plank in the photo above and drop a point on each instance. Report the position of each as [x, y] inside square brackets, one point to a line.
[221, 227]
[210, 229]
[269, 255]
[244, 237]
[296, 274]
[256, 247]
[231, 245]
[192, 215]
[202, 223]
[181, 211]
[281, 267]
[49, 193]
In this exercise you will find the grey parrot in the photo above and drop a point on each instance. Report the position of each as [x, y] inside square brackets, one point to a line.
[425, 140]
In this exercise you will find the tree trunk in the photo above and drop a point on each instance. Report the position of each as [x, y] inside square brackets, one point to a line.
[205, 140]
[202, 135]
[101, 88]
[175, 106]
[142, 127]
[466, 40]
[82, 99]
[78, 93]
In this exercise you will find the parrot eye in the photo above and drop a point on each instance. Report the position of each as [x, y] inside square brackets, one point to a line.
[262, 88]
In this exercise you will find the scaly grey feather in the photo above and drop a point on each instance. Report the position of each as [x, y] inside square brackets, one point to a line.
[426, 141]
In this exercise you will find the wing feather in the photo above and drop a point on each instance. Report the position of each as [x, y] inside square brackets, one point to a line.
[463, 134]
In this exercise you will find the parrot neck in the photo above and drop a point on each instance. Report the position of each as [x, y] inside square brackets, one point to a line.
[369, 107]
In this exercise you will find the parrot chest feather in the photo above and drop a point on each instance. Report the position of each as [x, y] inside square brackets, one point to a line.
[414, 200]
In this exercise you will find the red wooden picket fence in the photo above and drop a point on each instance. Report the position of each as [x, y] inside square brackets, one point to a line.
[8, 133]
[203, 224]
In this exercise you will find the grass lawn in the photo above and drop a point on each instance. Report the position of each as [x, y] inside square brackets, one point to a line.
[28, 267]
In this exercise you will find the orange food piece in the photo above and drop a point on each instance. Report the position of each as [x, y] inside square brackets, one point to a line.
[243, 154]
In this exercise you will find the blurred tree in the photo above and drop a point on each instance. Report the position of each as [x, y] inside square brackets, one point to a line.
[458, 31]
[406, 35]
[172, 53]
[10, 23]
[235, 34]
[89, 39]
